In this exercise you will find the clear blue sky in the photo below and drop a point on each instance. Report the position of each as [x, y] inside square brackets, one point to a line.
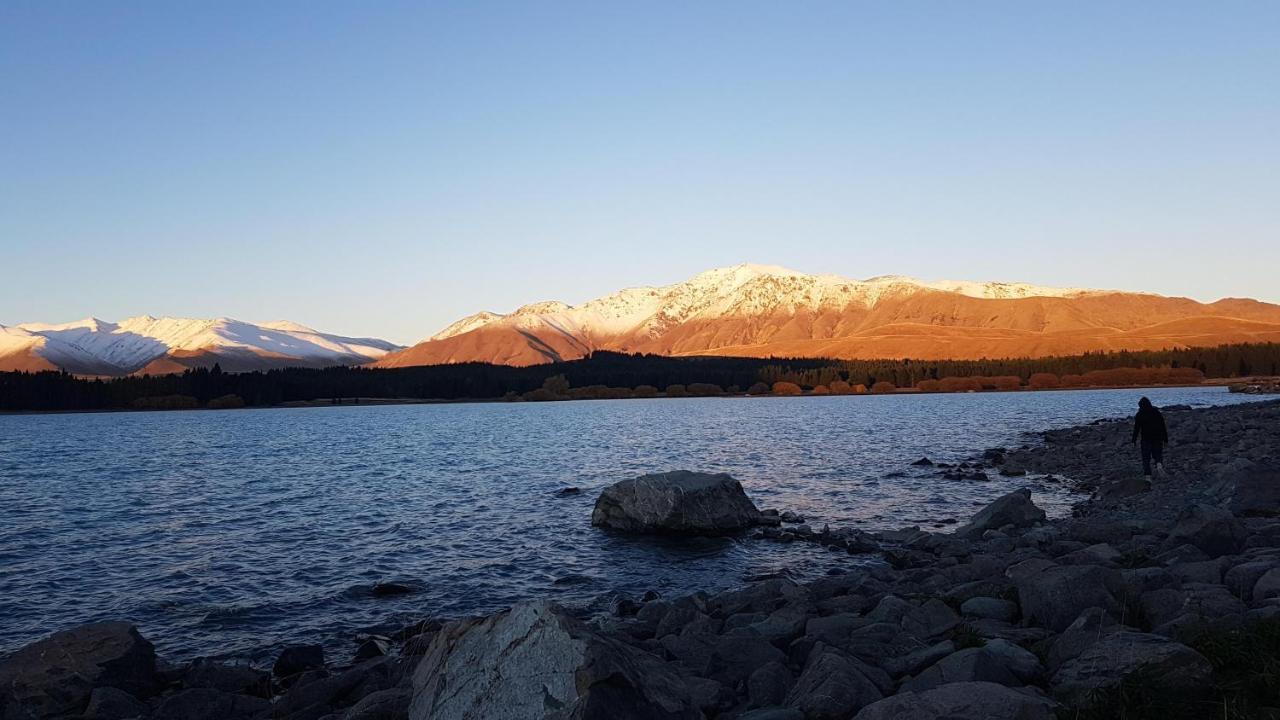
[383, 168]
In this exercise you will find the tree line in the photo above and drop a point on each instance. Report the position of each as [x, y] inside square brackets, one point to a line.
[608, 374]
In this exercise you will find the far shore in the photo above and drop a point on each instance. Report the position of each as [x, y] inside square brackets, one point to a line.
[379, 401]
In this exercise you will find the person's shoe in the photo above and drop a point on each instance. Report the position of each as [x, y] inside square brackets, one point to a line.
[1160, 471]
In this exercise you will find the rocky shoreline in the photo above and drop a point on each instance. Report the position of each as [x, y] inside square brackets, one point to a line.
[1147, 602]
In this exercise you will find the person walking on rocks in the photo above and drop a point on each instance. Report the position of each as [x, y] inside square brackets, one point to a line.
[1149, 425]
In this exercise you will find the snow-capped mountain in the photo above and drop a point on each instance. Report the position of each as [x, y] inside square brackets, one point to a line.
[764, 310]
[147, 344]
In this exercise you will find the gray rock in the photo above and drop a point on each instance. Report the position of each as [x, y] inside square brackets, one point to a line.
[963, 701]
[107, 703]
[769, 685]
[390, 704]
[968, 665]
[1212, 530]
[1021, 662]
[680, 502]
[1014, 509]
[56, 675]
[832, 686]
[298, 659]
[1167, 669]
[772, 713]
[1267, 586]
[1254, 487]
[332, 691]
[210, 704]
[1242, 578]
[1205, 571]
[536, 661]
[1054, 597]
[236, 679]
[991, 608]
[917, 660]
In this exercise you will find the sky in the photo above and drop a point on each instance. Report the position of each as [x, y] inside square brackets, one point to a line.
[381, 169]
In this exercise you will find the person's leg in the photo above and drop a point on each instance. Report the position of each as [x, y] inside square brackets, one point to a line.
[1157, 454]
[1146, 459]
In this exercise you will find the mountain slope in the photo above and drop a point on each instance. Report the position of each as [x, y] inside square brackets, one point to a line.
[762, 311]
[161, 345]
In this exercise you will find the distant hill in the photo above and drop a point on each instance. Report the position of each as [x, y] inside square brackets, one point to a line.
[766, 311]
[166, 345]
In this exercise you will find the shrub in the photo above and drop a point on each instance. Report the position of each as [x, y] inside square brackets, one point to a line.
[542, 395]
[674, 391]
[1002, 382]
[226, 402]
[645, 391]
[860, 389]
[704, 389]
[556, 385]
[166, 402]
[883, 387]
[1041, 381]
[821, 390]
[786, 388]
[758, 389]
[929, 386]
[840, 387]
[959, 384]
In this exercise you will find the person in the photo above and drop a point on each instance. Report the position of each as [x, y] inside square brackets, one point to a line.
[1149, 425]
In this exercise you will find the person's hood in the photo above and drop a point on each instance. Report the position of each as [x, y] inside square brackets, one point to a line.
[1144, 404]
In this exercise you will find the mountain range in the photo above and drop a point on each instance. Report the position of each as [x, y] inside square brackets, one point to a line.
[764, 311]
[744, 310]
[165, 345]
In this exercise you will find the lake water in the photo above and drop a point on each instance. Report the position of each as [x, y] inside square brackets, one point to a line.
[229, 533]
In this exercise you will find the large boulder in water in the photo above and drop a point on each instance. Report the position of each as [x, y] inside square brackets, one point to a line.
[535, 661]
[680, 502]
[1014, 509]
[55, 676]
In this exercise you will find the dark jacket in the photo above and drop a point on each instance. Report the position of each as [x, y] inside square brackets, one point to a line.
[1149, 423]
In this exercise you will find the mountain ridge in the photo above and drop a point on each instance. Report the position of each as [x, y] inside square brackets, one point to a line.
[766, 310]
[147, 344]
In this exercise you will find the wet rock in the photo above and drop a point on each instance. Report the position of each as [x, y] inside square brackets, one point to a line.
[1123, 488]
[535, 660]
[1014, 509]
[388, 589]
[57, 675]
[1212, 530]
[1166, 668]
[963, 701]
[923, 462]
[237, 679]
[832, 686]
[678, 502]
[568, 492]
[210, 704]
[298, 659]
[372, 647]
[336, 691]
[107, 703]
[1055, 596]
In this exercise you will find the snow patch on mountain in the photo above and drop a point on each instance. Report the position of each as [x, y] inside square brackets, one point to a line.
[737, 291]
[100, 347]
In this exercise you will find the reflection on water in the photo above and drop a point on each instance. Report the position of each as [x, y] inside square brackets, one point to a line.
[227, 532]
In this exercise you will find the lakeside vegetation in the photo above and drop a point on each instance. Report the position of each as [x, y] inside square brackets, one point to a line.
[616, 375]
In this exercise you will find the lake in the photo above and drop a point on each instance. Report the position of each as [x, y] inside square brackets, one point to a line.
[231, 532]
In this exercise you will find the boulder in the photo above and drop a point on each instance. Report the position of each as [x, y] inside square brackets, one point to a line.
[57, 675]
[1165, 668]
[968, 665]
[963, 701]
[680, 502]
[832, 686]
[769, 684]
[391, 704]
[1212, 530]
[1254, 487]
[236, 679]
[1055, 596]
[536, 661]
[298, 659]
[990, 608]
[1014, 509]
[210, 704]
[108, 703]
